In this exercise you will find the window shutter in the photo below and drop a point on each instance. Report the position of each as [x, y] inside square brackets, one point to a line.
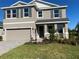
[51, 12]
[22, 13]
[17, 13]
[30, 12]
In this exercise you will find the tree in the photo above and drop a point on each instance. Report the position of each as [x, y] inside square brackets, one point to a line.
[1, 25]
[77, 29]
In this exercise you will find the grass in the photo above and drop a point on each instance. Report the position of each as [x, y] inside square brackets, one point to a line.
[45, 51]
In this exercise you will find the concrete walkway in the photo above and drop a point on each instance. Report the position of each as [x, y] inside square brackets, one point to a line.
[6, 46]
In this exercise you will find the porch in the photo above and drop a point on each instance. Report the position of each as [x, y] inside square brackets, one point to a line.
[44, 30]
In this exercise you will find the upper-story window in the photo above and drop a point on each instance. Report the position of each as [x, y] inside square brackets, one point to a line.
[40, 13]
[8, 14]
[14, 13]
[26, 12]
[56, 13]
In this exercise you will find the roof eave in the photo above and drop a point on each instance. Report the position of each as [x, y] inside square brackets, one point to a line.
[19, 2]
[60, 7]
[17, 6]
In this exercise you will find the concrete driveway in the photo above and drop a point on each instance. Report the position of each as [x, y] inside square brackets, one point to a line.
[6, 46]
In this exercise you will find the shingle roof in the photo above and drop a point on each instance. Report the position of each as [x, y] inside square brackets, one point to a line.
[51, 20]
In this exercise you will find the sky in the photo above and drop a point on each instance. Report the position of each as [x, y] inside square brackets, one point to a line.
[72, 9]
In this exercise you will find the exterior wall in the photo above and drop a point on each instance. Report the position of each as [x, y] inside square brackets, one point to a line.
[47, 14]
[29, 22]
[25, 25]
[63, 13]
[34, 13]
[66, 34]
[21, 18]
[1, 32]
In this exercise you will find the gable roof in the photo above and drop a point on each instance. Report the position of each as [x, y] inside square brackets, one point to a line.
[44, 2]
[39, 4]
[21, 2]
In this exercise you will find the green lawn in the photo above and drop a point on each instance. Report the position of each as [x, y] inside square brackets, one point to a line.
[46, 51]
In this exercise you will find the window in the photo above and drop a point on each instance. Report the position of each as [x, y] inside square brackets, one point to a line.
[8, 14]
[26, 12]
[60, 28]
[39, 13]
[14, 13]
[56, 13]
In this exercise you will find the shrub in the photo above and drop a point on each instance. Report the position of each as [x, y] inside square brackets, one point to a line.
[52, 36]
[46, 41]
[73, 42]
[0, 38]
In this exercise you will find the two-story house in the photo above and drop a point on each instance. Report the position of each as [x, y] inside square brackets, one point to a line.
[33, 20]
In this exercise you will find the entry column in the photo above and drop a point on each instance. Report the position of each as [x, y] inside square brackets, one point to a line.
[46, 34]
[56, 30]
[66, 34]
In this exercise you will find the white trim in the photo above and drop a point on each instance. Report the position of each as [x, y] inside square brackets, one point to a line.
[14, 13]
[19, 2]
[38, 14]
[19, 22]
[53, 7]
[30, 2]
[49, 3]
[5, 14]
[58, 13]
[53, 22]
[32, 5]
[17, 6]
[11, 14]
[4, 35]
[44, 2]
[24, 12]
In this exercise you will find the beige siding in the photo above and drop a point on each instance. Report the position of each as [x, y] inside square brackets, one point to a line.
[32, 18]
[34, 13]
[63, 13]
[25, 25]
[47, 14]
[19, 20]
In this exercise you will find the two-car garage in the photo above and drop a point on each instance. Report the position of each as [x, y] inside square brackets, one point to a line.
[18, 34]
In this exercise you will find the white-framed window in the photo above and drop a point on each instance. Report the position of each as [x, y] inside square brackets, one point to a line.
[39, 13]
[26, 12]
[14, 13]
[56, 13]
[8, 13]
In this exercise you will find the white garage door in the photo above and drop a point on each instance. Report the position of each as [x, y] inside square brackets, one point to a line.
[18, 34]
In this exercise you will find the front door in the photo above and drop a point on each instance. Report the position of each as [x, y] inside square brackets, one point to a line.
[41, 31]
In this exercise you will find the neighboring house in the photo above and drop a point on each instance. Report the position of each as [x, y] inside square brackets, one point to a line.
[33, 20]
